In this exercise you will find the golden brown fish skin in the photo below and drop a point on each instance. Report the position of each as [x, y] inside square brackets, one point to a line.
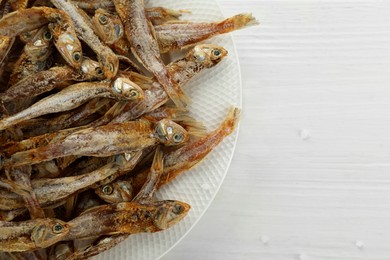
[145, 195]
[18, 4]
[74, 96]
[173, 36]
[127, 218]
[36, 127]
[64, 36]
[193, 152]
[110, 29]
[33, 142]
[144, 46]
[31, 234]
[199, 58]
[161, 15]
[157, 15]
[83, 27]
[99, 141]
[93, 4]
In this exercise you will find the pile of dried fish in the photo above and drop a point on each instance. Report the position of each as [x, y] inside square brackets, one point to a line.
[93, 121]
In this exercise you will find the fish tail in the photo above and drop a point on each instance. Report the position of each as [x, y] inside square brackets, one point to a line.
[174, 14]
[237, 22]
[231, 121]
[178, 96]
[175, 92]
[190, 124]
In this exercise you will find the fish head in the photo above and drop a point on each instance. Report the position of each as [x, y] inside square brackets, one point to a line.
[126, 89]
[69, 47]
[169, 213]
[49, 232]
[170, 133]
[208, 54]
[38, 48]
[109, 62]
[107, 26]
[120, 191]
[91, 69]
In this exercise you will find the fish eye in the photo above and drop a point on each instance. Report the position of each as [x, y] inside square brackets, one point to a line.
[107, 189]
[148, 215]
[178, 138]
[111, 67]
[134, 93]
[58, 228]
[103, 19]
[77, 56]
[99, 71]
[178, 209]
[47, 36]
[217, 52]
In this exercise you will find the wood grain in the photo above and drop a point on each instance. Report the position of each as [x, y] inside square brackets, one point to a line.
[310, 178]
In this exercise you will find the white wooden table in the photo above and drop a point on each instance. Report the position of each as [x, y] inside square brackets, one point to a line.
[310, 178]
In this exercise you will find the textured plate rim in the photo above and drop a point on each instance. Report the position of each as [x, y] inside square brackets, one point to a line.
[237, 132]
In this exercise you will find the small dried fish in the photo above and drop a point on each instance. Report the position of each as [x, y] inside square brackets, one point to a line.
[74, 96]
[104, 141]
[173, 36]
[187, 156]
[31, 234]
[44, 81]
[127, 218]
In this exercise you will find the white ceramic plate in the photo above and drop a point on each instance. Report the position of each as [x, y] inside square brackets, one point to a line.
[212, 93]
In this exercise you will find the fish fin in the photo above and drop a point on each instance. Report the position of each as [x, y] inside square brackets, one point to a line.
[127, 60]
[176, 94]
[140, 80]
[18, 159]
[152, 31]
[158, 161]
[191, 125]
[145, 195]
[237, 22]
[231, 121]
